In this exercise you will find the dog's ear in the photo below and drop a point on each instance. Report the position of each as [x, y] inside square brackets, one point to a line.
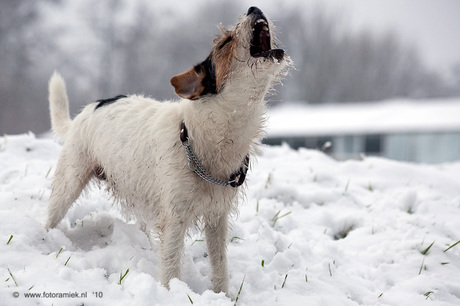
[188, 85]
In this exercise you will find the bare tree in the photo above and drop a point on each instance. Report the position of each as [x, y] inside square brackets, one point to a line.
[102, 53]
[338, 65]
[19, 101]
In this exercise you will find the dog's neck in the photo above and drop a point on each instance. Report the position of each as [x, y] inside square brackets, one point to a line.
[224, 127]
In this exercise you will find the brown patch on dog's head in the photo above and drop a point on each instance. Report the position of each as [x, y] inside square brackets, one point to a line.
[223, 54]
[209, 76]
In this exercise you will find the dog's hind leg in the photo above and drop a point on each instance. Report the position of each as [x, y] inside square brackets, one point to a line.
[71, 176]
[216, 240]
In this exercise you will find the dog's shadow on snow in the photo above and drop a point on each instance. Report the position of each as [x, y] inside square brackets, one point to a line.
[89, 233]
[99, 230]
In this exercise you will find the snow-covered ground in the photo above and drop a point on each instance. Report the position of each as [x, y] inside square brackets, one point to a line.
[312, 231]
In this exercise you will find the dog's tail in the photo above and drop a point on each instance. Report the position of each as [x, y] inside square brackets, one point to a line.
[59, 106]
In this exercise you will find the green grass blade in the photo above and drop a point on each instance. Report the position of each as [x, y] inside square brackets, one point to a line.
[421, 267]
[425, 251]
[67, 261]
[12, 277]
[451, 246]
[284, 282]
[122, 276]
[239, 291]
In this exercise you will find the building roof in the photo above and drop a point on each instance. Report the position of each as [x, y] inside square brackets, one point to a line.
[387, 117]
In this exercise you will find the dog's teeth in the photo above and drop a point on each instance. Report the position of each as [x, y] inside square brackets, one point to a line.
[265, 28]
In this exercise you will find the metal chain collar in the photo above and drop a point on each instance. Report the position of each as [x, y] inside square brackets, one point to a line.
[236, 179]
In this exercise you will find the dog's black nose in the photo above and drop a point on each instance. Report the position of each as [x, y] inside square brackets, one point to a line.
[255, 10]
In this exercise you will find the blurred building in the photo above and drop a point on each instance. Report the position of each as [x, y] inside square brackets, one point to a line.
[425, 131]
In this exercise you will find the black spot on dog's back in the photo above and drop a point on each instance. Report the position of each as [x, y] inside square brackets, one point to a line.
[105, 102]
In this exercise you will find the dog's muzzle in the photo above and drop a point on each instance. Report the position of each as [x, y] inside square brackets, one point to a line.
[261, 45]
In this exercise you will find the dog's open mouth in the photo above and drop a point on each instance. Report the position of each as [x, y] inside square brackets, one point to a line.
[261, 41]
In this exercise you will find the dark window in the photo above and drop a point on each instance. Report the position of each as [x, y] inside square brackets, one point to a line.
[320, 143]
[373, 144]
[272, 141]
[296, 142]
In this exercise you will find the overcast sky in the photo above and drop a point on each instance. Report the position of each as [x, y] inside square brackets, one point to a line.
[433, 25]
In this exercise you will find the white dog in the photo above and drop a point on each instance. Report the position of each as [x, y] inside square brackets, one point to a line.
[174, 164]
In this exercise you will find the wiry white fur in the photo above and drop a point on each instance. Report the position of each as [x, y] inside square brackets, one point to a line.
[136, 142]
[59, 109]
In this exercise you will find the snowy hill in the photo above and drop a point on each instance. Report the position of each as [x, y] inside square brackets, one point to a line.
[312, 231]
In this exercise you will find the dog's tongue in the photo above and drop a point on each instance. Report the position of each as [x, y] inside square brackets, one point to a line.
[264, 38]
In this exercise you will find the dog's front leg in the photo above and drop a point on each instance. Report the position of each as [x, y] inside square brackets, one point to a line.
[216, 239]
[172, 243]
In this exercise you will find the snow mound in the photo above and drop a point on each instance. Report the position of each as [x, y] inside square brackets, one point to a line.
[312, 231]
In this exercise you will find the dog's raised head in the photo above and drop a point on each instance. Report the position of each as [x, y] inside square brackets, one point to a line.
[245, 55]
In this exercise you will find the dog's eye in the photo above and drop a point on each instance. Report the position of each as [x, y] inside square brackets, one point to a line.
[229, 39]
